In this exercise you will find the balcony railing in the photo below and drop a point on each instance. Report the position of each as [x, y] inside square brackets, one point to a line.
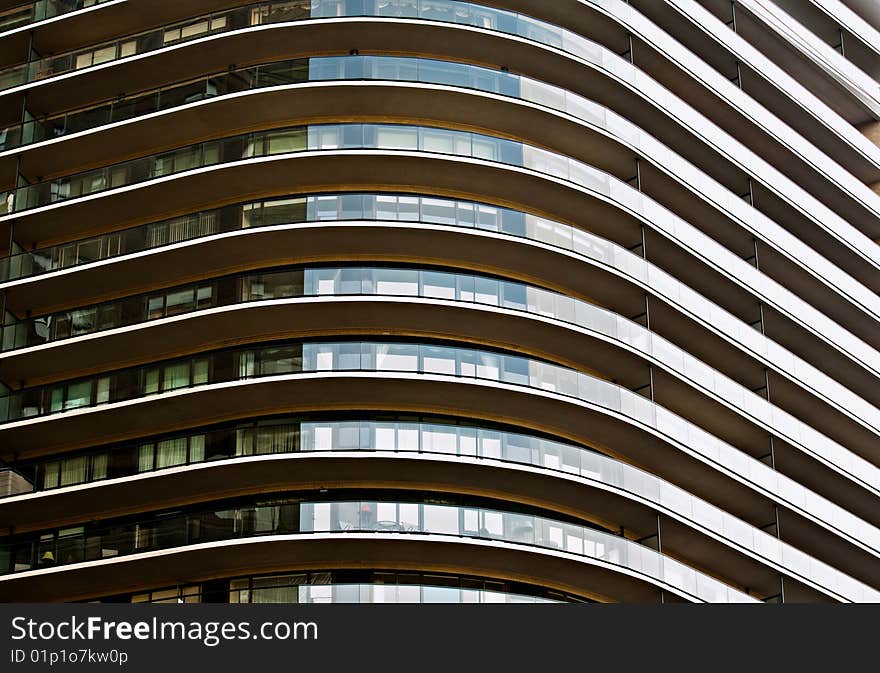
[23, 14]
[75, 545]
[277, 437]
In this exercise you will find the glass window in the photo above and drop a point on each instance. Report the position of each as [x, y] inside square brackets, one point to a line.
[514, 295]
[200, 371]
[322, 357]
[175, 376]
[488, 217]
[349, 281]
[317, 436]
[397, 137]
[438, 360]
[440, 439]
[346, 435]
[491, 524]
[329, 137]
[408, 437]
[438, 211]
[204, 296]
[102, 390]
[486, 290]
[276, 439]
[386, 207]
[171, 452]
[351, 206]
[145, 458]
[480, 365]
[403, 282]
[51, 472]
[238, 591]
[517, 448]
[486, 148]
[196, 448]
[288, 141]
[282, 594]
[78, 395]
[283, 211]
[384, 436]
[467, 441]
[397, 357]
[244, 442]
[73, 471]
[284, 360]
[408, 208]
[151, 381]
[441, 519]
[438, 284]
[516, 370]
[180, 301]
[490, 444]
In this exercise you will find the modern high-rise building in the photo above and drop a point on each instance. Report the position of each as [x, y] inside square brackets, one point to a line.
[432, 301]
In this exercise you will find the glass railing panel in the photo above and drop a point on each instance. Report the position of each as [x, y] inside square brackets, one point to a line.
[385, 593]
[812, 105]
[17, 16]
[39, 331]
[361, 67]
[40, 11]
[464, 14]
[284, 436]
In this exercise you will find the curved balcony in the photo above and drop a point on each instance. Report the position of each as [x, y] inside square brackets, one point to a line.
[282, 590]
[205, 378]
[44, 27]
[296, 519]
[351, 586]
[827, 64]
[523, 391]
[266, 15]
[40, 10]
[500, 328]
[420, 216]
[134, 185]
[769, 88]
[840, 15]
[603, 139]
[323, 68]
[279, 454]
[581, 576]
[269, 302]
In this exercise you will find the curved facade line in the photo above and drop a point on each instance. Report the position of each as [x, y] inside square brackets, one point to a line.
[596, 394]
[592, 547]
[852, 22]
[787, 85]
[322, 285]
[626, 74]
[583, 177]
[580, 244]
[504, 86]
[413, 330]
[29, 16]
[845, 73]
[594, 470]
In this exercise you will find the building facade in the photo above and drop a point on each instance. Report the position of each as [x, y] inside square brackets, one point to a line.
[439, 301]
